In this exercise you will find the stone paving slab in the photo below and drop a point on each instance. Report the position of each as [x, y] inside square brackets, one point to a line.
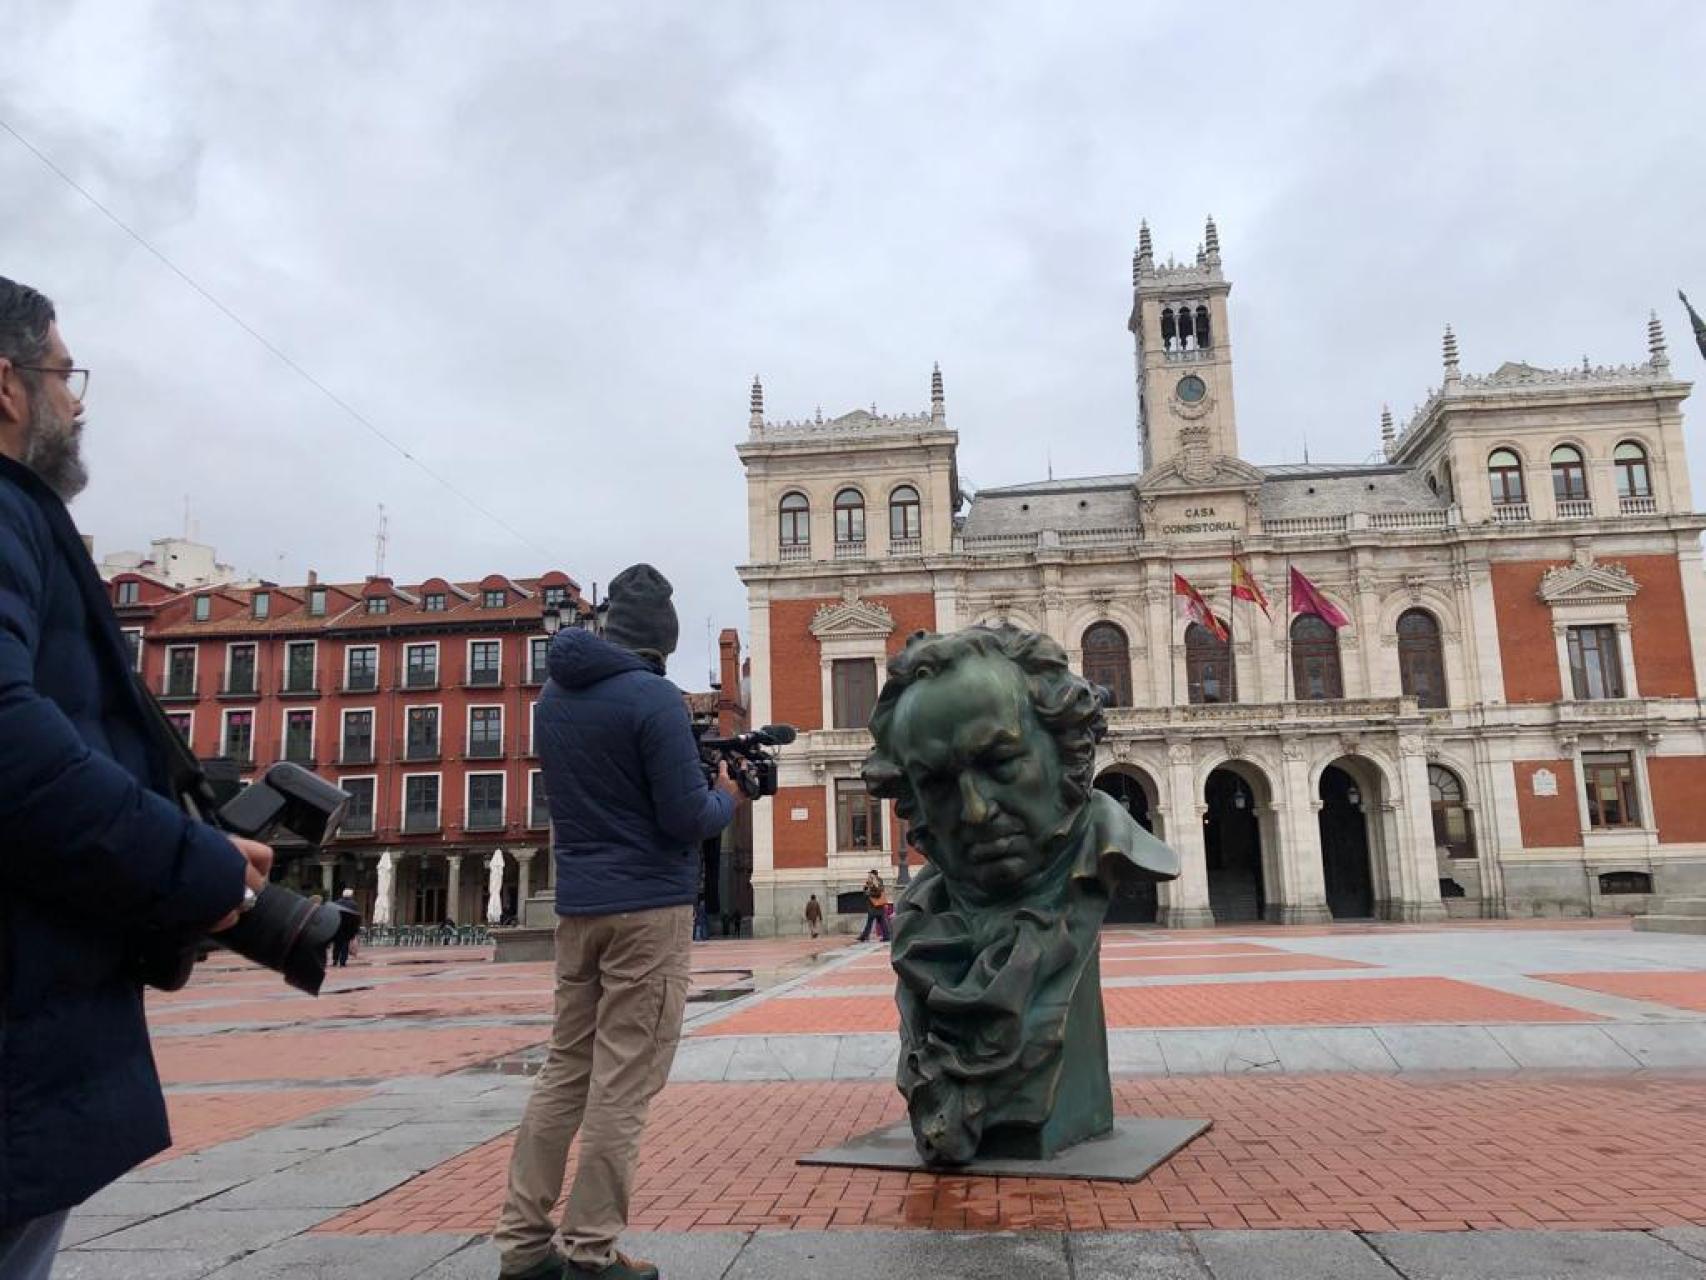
[211, 1231]
[821, 1255]
[151, 1264]
[1290, 1255]
[1535, 1255]
[1596, 1047]
[1134, 1255]
[698, 1255]
[312, 1257]
[1691, 1240]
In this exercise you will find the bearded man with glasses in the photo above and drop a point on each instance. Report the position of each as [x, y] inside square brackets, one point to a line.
[95, 856]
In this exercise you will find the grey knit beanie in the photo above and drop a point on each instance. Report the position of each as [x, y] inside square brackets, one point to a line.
[639, 614]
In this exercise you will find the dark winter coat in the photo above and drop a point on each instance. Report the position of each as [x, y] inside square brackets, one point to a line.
[629, 802]
[92, 855]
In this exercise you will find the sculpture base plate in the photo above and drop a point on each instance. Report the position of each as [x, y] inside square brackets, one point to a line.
[1130, 1153]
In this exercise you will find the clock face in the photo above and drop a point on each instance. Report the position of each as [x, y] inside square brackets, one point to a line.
[1191, 388]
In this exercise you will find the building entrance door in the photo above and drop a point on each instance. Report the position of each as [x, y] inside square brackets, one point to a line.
[1132, 903]
[1233, 844]
[1344, 847]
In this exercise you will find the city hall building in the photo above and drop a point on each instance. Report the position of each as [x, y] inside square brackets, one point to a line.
[1505, 721]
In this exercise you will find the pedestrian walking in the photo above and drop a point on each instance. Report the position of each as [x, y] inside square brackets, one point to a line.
[629, 809]
[814, 915]
[349, 924]
[876, 908]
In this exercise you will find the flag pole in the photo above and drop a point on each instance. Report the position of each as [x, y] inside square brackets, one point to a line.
[1285, 676]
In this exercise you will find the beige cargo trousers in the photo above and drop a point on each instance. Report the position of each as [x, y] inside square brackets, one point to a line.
[621, 993]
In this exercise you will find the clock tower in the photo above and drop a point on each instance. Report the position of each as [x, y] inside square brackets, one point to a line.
[1184, 359]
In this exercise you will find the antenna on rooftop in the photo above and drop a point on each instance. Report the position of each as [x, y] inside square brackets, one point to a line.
[380, 539]
[710, 653]
[186, 517]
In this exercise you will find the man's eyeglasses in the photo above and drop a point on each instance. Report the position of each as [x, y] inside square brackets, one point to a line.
[76, 379]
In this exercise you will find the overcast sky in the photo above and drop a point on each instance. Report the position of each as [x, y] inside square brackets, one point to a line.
[546, 246]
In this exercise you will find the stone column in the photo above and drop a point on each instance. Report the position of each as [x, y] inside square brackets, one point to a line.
[1297, 824]
[1158, 614]
[328, 869]
[1417, 894]
[523, 876]
[453, 890]
[1184, 902]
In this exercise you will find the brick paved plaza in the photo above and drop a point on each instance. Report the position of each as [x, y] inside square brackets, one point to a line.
[1430, 1095]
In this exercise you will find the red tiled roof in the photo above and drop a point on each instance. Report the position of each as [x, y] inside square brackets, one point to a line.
[346, 609]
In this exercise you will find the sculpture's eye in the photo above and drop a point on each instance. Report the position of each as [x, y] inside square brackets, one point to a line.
[1005, 766]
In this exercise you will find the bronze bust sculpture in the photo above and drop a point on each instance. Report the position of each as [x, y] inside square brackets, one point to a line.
[986, 740]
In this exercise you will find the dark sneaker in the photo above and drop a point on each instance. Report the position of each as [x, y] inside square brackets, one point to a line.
[550, 1267]
[624, 1268]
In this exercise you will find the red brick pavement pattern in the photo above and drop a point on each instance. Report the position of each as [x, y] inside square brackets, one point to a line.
[1127, 963]
[201, 1120]
[1372, 1153]
[1354, 1003]
[334, 1055]
[1685, 989]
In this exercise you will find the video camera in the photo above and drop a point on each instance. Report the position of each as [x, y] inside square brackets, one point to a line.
[749, 764]
[283, 931]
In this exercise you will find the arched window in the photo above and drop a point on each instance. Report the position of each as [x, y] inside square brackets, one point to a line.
[1169, 334]
[1209, 674]
[1634, 479]
[1504, 474]
[1453, 831]
[1421, 667]
[1204, 342]
[904, 522]
[1107, 661]
[1569, 476]
[1187, 330]
[849, 516]
[796, 520]
[1315, 669]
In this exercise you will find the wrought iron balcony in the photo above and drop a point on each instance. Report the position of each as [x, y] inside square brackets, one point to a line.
[419, 679]
[485, 820]
[361, 682]
[416, 822]
[485, 750]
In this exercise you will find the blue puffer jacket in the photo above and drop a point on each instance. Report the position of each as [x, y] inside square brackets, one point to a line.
[92, 857]
[629, 804]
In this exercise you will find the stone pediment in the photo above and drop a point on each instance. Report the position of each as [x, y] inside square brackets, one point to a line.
[852, 618]
[1198, 473]
[1587, 582]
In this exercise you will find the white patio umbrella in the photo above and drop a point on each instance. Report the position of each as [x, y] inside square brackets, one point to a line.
[495, 888]
[387, 876]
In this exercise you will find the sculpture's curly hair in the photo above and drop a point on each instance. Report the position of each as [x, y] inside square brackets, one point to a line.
[1069, 706]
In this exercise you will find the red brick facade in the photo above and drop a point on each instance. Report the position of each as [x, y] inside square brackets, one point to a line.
[802, 842]
[1658, 628]
[1526, 644]
[1678, 785]
[1548, 822]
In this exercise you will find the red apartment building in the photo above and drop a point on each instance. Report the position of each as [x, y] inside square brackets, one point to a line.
[416, 700]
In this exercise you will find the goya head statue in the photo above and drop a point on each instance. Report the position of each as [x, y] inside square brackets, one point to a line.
[986, 742]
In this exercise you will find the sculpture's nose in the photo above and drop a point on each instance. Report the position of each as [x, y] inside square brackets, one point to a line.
[974, 809]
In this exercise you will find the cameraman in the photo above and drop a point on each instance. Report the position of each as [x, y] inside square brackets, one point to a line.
[629, 808]
[94, 858]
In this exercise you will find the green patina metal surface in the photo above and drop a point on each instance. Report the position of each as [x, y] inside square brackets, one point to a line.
[986, 741]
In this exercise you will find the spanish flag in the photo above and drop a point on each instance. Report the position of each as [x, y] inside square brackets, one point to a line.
[1194, 607]
[1245, 586]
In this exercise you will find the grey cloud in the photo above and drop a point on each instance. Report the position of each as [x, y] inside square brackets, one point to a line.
[547, 246]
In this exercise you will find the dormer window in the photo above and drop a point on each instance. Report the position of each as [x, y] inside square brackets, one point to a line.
[203, 608]
[432, 602]
[129, 592]
[379, 604]
[556, 597]
[495, 598]
[317, 602]
[262, 605]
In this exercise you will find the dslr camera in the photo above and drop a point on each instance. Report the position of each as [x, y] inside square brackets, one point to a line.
[282, 930]
[750, 765]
